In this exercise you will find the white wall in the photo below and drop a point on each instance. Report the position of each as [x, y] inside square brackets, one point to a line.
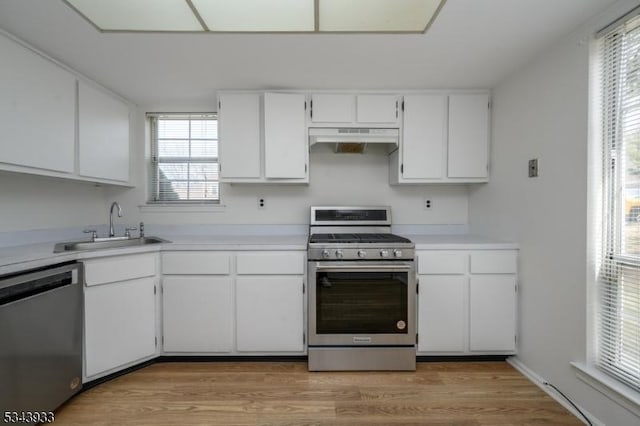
[542, 112]
[335, 179]
[32, 202]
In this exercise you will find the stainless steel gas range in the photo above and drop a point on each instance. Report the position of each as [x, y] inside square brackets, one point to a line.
[362, 291]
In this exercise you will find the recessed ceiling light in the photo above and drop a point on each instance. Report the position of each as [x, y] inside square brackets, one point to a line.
[138, 15]
[257, 15]
[272, 16]
[376, 15]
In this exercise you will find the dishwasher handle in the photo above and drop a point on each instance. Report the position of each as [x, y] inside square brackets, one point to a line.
[20, 286]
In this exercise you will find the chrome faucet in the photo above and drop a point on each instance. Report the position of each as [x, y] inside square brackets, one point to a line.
[112, 233]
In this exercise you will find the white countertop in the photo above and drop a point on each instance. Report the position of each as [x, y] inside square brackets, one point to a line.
[458, 242]
[18, 258]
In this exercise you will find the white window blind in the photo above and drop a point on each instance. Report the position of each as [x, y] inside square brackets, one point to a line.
[618, 321]
[184, 158]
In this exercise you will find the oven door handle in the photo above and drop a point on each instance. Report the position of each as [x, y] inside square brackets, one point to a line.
[401, 267]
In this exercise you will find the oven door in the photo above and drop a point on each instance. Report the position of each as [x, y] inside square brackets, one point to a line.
[362, 303]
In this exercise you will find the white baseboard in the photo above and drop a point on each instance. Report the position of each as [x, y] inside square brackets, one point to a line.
[539, 381]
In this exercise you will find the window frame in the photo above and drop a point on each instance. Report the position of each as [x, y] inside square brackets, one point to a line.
[153, 199]
[614, 264]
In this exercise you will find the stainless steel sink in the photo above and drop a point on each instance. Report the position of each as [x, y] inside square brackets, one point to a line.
[106, 243]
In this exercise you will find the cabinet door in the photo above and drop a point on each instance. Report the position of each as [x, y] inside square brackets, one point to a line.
[285, 140]
[333, 108]
[468, 136]
[197, 314]
[492, 303]
[239, 135]
[269, 314]
[424, 136]
[377, 109]
[103, 135]
[119, 324]
[442, 318]
[37, 110]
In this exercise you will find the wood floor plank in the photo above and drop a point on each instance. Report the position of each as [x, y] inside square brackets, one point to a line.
[286, 394]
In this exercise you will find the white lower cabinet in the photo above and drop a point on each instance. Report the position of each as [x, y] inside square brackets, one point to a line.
[467, 302]
[442, 302]
[240, 302]
[269, 314]
[197, 314]
[120, 313]
[492, 314]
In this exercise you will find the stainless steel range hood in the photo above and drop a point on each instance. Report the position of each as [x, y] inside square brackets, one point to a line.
[352, 139]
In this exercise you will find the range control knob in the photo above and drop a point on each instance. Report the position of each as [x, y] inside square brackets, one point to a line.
[339, 254]
[362, 254]
[326, 254]
[397, 253]
[384, 253]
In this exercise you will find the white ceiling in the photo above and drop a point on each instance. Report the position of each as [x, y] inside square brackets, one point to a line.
[471, 44]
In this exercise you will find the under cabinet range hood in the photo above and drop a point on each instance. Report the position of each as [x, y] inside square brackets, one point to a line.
[352, 139]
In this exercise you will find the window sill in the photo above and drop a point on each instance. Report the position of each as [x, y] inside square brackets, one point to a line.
[609, 387]
[182, 208]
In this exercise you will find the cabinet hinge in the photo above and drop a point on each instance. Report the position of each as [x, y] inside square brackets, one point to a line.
[401, 168]
[396, 109]
[305, 168]
[304, 339]
[305, 105]
[417, 288]
[154, 290]
[311, 109]
[304, 288]
[416, 338]
[156, 341]
[402, 105]
[219, 105]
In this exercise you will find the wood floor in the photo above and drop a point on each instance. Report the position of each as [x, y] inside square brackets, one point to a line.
[285, 393]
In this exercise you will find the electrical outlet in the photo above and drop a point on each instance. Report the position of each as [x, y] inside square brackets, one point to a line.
[533, 167]
[428, 203]
[261, 203]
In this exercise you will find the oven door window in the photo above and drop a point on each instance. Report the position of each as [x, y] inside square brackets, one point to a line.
[361, 302]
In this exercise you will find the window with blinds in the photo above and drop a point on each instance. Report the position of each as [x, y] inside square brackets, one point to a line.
[184, 158]
[618, 321]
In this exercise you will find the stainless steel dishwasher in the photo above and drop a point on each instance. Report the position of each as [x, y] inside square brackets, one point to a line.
[41, 317]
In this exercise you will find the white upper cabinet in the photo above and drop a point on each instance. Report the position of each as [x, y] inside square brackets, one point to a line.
[285, 140]
[445, 138]
[37, 111]
[377, 109]
[347, 109]
[468, 148]
[263, 137]
[333, 108]
[55, 124]
[239, 134]
[424, 137]
[103, 135]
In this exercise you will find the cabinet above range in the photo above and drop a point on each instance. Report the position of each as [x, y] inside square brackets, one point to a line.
[430, 136]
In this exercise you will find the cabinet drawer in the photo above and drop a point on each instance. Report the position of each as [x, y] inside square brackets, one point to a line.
[120, 268]
[195, 263]
[286, 263]
[442, 262]
[494, 262]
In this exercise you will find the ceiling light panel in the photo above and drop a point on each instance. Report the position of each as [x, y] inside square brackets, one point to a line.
[257, 15]
[138, 15]
[376, 15]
